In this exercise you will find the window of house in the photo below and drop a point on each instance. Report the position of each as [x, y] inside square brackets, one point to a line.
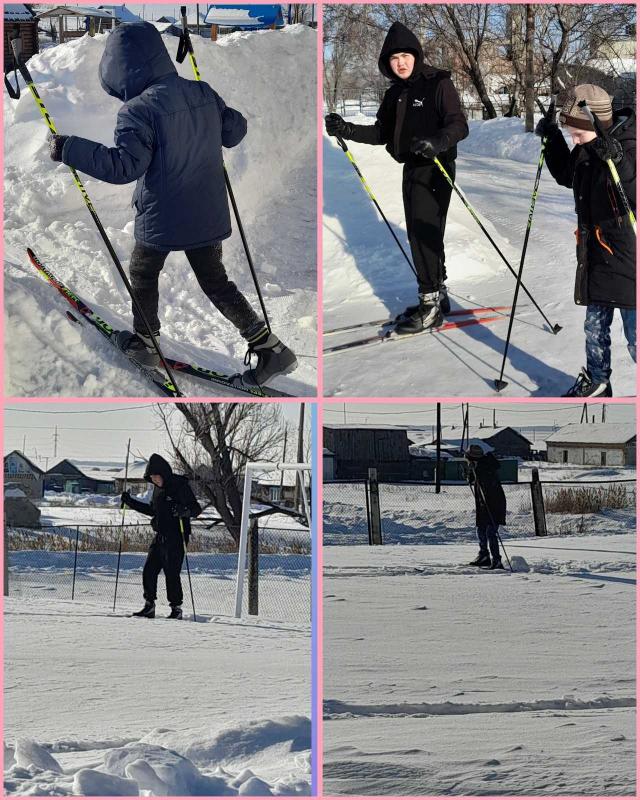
[603, 458]
[565, 456]
[274, 494]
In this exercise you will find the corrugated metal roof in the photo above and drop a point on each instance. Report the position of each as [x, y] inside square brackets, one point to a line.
[596, 434]
[74, 11]
[16, 12]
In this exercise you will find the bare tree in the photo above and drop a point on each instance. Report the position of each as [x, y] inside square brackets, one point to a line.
[529, 99]
[215, 441]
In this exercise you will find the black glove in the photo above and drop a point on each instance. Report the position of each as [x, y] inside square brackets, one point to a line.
[178, 510]
[336, 126]
[546, 128]
[56, 143]
[606, 147]
[430, 146]
[125, 499]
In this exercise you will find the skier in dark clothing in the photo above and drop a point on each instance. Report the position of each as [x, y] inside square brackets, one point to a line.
[606, 241]
[171, 508]
[169, 138]
[491, 504]
[420, 118]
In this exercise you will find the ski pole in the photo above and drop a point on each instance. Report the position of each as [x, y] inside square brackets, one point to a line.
[185, 46]
[491, 517]
[186, 558]
[367, 189]
[499, 383]
[612, 167]
[76, 179]
[468, 206]
[124, 509]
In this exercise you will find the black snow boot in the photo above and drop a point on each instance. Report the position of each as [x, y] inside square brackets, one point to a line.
[176, 612]
[483, 560]
[149, 611]
[445, 305]
[427, 315]
[585, 386]
[274, 358]
[496, 563]
[139, 347]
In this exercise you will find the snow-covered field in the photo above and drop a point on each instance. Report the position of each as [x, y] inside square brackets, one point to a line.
[366, 277]
[270, 77]
[441, 679]
[102, 705]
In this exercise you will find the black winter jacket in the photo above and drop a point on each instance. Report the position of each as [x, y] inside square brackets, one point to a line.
[606, 243]
[425, 104]
[491, 504]
[175, 490]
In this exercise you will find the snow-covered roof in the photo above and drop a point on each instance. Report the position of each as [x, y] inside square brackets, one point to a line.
[136, 471]
[429, 451]
[74, 11]
[244, 16]
[597, 433]
[33, 466]
[121, 13]
[16, 12]
[363, 426]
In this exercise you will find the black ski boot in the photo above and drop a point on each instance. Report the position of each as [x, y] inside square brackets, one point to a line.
[496, 563]
[149, 611]
[274, 358]
[139, 347]
[585, 386]
[176, 612]
[427, 315]
[483, 560]
[445, 306]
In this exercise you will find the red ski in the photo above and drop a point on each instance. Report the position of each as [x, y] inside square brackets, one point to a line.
[459, 312]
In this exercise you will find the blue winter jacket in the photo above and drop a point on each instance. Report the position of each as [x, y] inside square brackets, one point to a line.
[169, 137]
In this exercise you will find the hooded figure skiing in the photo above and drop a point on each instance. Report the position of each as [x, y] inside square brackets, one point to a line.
[420, 118]
[606, 241]
[169, 137]
[171, 508]
[491, 504]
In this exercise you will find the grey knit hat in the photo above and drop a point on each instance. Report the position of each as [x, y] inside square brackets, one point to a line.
[598, 100]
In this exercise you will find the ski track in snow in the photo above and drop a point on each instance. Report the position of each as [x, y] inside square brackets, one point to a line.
[153, 707]
[366, 277]
[442, 679]
[46, 354]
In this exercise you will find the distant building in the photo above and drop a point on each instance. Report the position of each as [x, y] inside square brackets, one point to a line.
[121, 14]
[328, 464]
[229, 18]
[595, 445]
[19, 510]
[357, 448]
[23, 474]
[75, 478]
[136, 482]
[505, 441]
[19, 23]
[71, 22]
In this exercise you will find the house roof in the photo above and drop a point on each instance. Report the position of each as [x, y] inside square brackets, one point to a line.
[122, 13]
[95, 472]
[16, 12]
[74, 11]
[481, 434]
[244, 16]
[29, 462]
[596, 433]
[366, 426]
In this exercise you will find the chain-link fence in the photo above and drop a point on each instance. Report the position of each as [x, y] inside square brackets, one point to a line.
[414, 513]
[80, 562]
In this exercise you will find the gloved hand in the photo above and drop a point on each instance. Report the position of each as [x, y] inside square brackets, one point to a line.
[430, 146]
[336, 126]
[125, 498]
[56, 143]
[606, 147]
[178, 510]
[546, 127]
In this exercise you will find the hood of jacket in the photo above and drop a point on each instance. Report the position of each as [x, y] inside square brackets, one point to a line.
[400, 39]
[134, 58]
[624, 125]
[158, 466]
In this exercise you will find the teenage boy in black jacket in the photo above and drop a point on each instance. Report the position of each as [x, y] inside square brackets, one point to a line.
[420, 118]
[171, 508]
[606, 242]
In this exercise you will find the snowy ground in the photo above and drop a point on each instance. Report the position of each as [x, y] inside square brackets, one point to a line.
[366, 277]
[443, 680]
[46, 354]
[127, 706]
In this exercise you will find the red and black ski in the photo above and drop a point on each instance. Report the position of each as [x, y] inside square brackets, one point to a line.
[458, 312]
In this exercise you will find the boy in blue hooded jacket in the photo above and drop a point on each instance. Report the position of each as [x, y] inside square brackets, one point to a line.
[169, 137]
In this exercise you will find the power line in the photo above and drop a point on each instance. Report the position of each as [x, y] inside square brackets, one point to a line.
[89, 411]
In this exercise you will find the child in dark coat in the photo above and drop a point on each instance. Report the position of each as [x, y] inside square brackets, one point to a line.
[491, 504]
[169, 138]
[606, 242]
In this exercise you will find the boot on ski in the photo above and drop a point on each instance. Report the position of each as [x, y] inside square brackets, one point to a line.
[149, 611]
[274, 358]
[445, 306]
[495, 563]
[427, 315]
[139, 347]
[482, 560]
[176, 612]
[585, 386]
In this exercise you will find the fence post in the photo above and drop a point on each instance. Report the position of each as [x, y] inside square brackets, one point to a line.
[6, 560]
[254, 555]
[537, 503]
[75, 564]
[375, 525]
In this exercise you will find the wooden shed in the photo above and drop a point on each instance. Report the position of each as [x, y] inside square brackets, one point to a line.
[356, 448]
[74, 21]
[19, 23]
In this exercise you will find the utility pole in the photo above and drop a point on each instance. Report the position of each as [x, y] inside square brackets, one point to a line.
[198, 18]
[585, 414]
[55, 442]
[494, 418]
[297, 497]
[24, 444]
[604, 413]
[284, 459]
[438, 446]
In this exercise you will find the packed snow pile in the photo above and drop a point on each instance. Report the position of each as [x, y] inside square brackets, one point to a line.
[367, 280]
[218, 708]
[260, 74]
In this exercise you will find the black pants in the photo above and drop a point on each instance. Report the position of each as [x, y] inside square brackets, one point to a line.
[206, 262]
[163, 557]
[426, 196]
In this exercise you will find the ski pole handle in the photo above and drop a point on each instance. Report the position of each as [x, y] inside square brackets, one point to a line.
[342, 143]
